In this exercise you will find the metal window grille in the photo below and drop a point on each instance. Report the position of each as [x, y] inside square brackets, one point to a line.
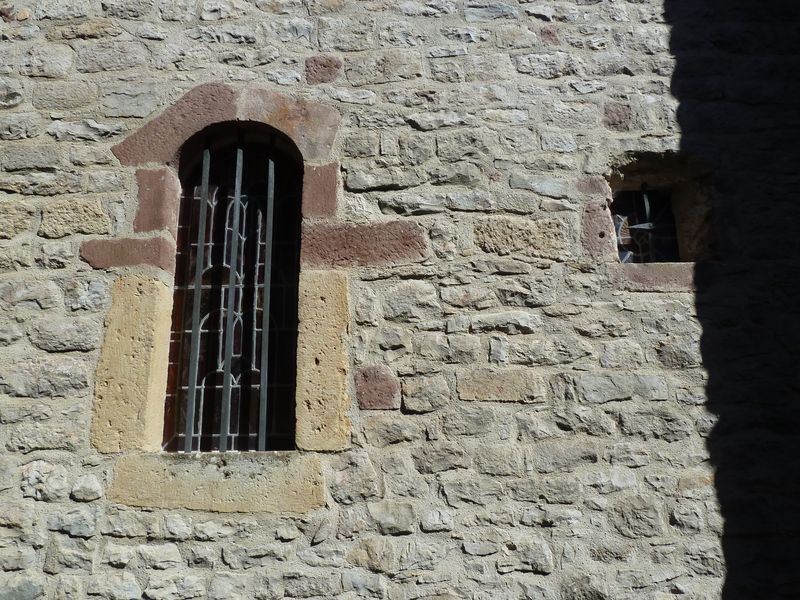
[645, 227]
[232, 360]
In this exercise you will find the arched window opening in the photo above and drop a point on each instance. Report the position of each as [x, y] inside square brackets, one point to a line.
[233, 346]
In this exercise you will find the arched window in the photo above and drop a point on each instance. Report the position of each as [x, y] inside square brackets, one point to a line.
[233, 346]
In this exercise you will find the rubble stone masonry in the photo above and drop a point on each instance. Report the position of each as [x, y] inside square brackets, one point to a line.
[490, 406]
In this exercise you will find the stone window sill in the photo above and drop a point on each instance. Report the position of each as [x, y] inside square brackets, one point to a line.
[272, 482]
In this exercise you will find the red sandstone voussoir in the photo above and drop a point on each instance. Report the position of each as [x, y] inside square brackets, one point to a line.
[127, 252]
[160, 139]
[343, 244]
[319, 191]
[311, 126]
[377, 388]
[159, 201]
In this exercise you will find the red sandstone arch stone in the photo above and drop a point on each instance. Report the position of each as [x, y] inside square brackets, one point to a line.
[310, 125]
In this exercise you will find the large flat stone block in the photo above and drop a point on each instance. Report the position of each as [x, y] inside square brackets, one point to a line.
[274, 482]
[322, 399]
[131, 374]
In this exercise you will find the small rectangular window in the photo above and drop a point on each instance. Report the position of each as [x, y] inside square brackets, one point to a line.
[645, 227]
[661, 209]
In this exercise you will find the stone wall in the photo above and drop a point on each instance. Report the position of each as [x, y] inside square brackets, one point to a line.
[529, 418]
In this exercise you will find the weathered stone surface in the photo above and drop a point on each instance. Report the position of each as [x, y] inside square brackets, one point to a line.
[384, 67]
[395, 242]
[88, 29]
[15, 219]
[79, 522]
[63, 95]
[42, 377]
[598, 389]
[175, 586]
[159, 201]
[19, 126]
[383, 430]
[412, 301]
[125, 252]
[131, 372]
[377, 388]
[69, 216]
[440, 457]
[322, 69]
[637, 517]
[21, 587]
[425, 394]
[310, 125]
[320, 188]
[62, 9]
[393, 518]
[245, 483]
[121, 586]
[159, 140]
[79, 333]
[10, 93]
[87, 130]
[597, 236]
[322, 398]
[508, 385]
[50, 61]
[111, 56]
[44, 481]
[507, 235]
[130, 101]
[86, 489]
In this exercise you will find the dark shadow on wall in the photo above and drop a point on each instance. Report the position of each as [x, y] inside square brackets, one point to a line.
[737, 79]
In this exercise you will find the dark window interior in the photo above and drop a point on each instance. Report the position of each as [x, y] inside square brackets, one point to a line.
[217, 345]
[645, 227]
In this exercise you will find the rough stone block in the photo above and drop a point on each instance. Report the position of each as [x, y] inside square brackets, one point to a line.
[131, 376]
[16, 218]
[52, 61]
[507, 385]
[19, 126]
[64, 95]
[534, 237]
[322, 402]
[69, 216]
[322, 69]
[111, 56]
[377, 388]
[274, 482]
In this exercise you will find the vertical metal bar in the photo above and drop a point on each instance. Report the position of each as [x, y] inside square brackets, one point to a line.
[265, 308]
[231, 304]
[194, 353]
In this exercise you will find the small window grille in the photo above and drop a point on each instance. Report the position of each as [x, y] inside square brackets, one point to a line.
[645, 227]
[231, 381]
